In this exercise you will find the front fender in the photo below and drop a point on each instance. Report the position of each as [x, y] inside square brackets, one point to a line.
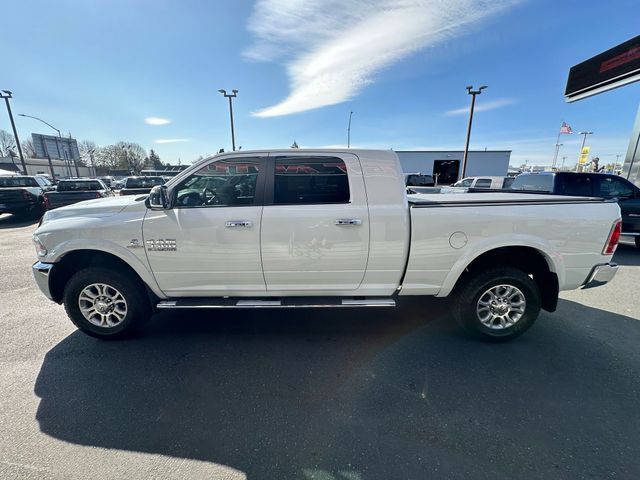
[137, 262]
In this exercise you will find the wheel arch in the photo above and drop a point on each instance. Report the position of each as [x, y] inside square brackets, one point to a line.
[530, 260]
[75, 260]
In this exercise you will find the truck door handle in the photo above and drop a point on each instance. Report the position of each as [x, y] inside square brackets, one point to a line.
[238, 223]
[348, 221]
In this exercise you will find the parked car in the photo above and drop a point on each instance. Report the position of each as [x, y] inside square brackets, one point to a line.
[493, 183]
[139, 185]
[23, 195]
[418, 180]
[72, 191]
[108, 181]
[602, 185]
[319, 228]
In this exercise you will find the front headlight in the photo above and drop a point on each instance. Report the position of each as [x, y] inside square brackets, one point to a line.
[41, 250]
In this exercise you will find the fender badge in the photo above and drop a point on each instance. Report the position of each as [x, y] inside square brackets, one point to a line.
[134, 243]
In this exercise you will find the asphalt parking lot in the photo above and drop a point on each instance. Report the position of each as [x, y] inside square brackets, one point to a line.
[344, 395]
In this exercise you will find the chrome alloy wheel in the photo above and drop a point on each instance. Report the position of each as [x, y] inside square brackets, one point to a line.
[501, 307]
[102, 305]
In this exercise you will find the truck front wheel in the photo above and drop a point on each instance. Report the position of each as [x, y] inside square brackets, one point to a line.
[497, 304]
[106, 303]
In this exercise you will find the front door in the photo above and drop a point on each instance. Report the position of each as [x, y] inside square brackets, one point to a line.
[315, 224]
[207, 244]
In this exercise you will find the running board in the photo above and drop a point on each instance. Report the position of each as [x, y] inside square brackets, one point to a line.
[290, 302]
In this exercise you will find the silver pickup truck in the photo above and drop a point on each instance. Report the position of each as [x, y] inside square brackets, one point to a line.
[319, 228]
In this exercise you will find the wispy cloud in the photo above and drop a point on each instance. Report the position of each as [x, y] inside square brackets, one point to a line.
[172, 140]
[156, 121]
[482, 107]
[333, 48]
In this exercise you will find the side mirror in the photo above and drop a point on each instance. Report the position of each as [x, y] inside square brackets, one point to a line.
[157, 199]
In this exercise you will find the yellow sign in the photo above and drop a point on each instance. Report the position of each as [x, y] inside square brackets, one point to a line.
[584, 155]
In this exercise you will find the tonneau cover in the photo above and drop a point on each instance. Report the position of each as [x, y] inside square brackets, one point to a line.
[498, 198]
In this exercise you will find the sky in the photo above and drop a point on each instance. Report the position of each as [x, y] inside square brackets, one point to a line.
[149, 71]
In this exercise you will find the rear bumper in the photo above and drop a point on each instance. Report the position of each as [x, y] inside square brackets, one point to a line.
[600, 274]
[41, 272]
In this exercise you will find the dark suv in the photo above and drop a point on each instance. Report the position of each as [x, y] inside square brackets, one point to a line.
[589, 185]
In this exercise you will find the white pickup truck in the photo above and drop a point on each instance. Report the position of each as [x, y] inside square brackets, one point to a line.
[319, 228]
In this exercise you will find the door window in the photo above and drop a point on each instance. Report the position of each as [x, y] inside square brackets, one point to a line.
[310, 181]
[221, 183]
[578, 185]
[483, 183]
[612, 187]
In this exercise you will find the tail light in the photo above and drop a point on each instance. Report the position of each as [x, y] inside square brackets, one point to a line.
[614, 238]
[46, 202]
[98, 195]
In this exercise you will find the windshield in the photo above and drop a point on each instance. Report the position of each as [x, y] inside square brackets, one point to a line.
[541, 183]
[79, 185]
[18, 182]
[143, 182]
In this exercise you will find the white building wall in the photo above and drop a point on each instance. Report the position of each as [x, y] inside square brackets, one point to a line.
[493, 163]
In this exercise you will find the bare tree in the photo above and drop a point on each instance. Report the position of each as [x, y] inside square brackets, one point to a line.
[108, 157]
[7, 142]
[86, 147]
[28, 149]
[132, 156]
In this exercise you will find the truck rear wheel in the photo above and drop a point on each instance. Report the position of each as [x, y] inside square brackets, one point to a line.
[106, 303]
[497, 304]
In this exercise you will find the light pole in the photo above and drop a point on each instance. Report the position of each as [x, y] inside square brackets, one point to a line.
[6, 94]
[562, 166]
[234, 94]
[64, 156]
[93, 165]
[618, 155]
[473, 94]
[349, 131]
[555, 157]
[584, 140]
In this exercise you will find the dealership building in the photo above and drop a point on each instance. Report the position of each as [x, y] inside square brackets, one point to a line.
[446, 164]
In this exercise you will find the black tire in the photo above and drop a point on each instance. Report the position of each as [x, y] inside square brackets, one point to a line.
[137, 309]
[467, 297]
[637, 240]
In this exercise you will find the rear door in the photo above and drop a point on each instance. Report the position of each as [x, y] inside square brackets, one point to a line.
[315, 224]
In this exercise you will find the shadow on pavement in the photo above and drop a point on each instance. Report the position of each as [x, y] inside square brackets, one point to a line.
[357, 394]
[627, 254]
[11, 221]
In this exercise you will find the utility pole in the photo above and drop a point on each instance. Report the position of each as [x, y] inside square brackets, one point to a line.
[6, 94]
[93, 165]
[473, 94]
[349, 131]
[230, 96]
[562, 166]
[584, 140]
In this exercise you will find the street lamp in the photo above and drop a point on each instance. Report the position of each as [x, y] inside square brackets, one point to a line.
[473, 94]
[234, 94]
[64, 153]
[584, 140]
[349, 131]
[6, 94]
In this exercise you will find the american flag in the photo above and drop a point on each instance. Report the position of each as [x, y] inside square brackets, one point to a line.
[564, 128]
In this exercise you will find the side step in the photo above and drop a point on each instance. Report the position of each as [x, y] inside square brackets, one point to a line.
[289, 302]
